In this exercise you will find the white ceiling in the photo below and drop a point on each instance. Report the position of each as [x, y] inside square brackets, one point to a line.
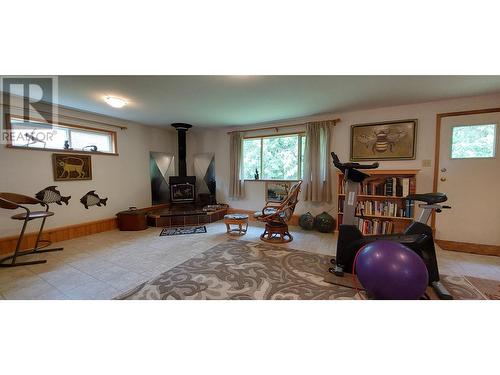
[244, 100]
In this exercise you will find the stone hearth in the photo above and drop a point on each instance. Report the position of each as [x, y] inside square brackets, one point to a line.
[180, 215]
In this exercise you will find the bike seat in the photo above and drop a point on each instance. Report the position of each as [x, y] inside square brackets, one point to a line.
[429, 198]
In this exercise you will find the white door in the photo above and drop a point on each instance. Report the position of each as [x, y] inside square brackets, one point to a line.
[469, 174]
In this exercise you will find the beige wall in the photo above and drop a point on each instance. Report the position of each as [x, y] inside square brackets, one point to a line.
[124, 179]
[218, 141]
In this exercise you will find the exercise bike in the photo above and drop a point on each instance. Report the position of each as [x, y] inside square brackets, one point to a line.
[418, 236]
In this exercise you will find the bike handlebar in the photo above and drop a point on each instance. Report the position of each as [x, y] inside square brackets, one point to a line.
[343, 166]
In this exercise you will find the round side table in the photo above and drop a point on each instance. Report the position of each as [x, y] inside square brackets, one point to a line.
[239, 220]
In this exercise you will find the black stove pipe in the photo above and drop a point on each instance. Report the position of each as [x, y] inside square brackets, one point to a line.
[182, 128]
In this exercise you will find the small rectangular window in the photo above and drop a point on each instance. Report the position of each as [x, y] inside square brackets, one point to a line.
[473, 141]
[83, 139]
[33, 134]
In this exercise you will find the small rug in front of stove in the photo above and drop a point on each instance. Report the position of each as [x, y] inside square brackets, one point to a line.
[183, 230]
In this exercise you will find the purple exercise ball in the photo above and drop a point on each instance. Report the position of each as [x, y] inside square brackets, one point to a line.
[389, 270]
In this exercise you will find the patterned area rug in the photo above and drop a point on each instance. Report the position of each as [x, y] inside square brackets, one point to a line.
[460, 287]
[490, 288]
[183, 230]
[246, 270]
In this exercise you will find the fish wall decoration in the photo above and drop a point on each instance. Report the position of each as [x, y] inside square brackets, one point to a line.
[51, 195]
[92, 199]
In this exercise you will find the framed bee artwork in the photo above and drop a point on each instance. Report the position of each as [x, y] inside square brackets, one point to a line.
[390, 140]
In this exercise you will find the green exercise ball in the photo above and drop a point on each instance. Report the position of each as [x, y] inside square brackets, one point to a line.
[324, 222]
[306, 221]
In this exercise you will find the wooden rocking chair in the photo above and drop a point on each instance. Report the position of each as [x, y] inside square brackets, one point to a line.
[277, 217]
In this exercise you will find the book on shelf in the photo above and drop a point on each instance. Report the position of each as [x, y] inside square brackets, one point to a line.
[409, 208]
[390, 186]
[381, 208]
[375, 226]
[412, 185]
[405, 187]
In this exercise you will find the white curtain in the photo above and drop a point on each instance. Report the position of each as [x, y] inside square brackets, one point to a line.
[317, 175]
[236, 157]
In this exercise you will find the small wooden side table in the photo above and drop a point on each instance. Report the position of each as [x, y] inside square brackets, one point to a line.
[241, 220]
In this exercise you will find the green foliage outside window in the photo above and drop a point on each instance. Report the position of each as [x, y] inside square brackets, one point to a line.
[473, 141]
[251, 157]
[276, 158]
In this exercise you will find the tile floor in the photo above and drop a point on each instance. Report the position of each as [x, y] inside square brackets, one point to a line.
[104, 265]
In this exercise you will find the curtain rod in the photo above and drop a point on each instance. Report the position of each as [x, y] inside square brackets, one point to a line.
[334, 121]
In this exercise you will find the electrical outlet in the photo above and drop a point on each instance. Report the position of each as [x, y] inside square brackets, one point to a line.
[426, 163]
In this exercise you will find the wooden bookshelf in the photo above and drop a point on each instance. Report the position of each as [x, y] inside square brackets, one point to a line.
[383, 197]
[361, 196]
[383, 217]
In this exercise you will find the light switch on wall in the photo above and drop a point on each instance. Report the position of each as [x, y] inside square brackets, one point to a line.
[426, 163]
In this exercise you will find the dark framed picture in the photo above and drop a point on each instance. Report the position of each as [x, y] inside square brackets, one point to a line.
[390, 140]
[71, 167]
[276, 191]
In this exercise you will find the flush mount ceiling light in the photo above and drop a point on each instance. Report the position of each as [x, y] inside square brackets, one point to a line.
[115, 102]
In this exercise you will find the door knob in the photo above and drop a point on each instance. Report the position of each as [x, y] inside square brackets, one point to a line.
[443, 170]
[443, 179]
